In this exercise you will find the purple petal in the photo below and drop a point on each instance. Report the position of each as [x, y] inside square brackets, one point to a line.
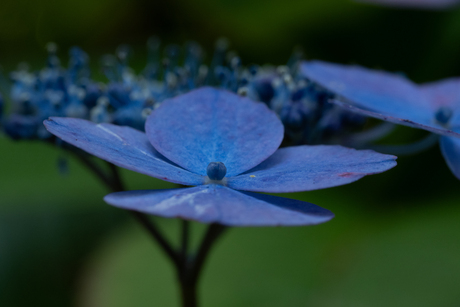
[219, 204]
[450, 148]
[438, 130]
[122, 146]
[210, 125]
[422, 4]
[444, 93]
[377, 91]
[305, 168]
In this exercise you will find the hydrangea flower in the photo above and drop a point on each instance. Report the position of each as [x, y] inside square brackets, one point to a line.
[434, 107]
[128, 97]
[226, 146]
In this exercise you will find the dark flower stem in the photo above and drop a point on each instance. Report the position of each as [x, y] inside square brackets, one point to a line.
[159, 238]
[408, 149]
[185, 235]
[188, 267]
[189, 274]
[85, 160]
[115, 184]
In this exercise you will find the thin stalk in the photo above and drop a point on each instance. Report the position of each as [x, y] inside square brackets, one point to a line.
[188, 268]
[143, 219]
[159, 238]
[364, 137]
[115, 184]
[96, 170]
[185, 235]
[189, 278]
[213, 233]
[189, 297]
[408, 149]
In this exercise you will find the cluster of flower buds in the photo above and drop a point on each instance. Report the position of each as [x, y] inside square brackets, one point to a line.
[127, 98]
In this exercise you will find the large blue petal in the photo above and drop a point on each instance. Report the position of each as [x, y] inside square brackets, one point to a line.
[450, 148]
[444, 93]
[210, 125]
[218, 204]
[438, 130]
[377, 91]
[304, 168]
[122, 146]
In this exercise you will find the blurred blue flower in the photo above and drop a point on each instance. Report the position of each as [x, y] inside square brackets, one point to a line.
[53, 91]
[220, 142]
[434, 107]
[127, 98]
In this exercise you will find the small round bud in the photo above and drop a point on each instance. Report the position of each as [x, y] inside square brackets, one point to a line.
[253, 69]
[243, 91]
[51, 47]
[443, 115]
[287, 78]
[235, 62]
[103, 101]
[123, 52]
[216, 170]
[282, 69]
[203, 70]
[146, 112]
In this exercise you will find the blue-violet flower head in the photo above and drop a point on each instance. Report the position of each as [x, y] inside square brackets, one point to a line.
[434, 106]
[226, 146]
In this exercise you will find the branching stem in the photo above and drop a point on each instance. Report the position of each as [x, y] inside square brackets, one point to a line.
[188, 267]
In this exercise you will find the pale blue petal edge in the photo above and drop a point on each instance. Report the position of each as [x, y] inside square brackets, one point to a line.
[219, 204]
[122, 146]
[396, 120]
[386, 96]
[450, 148]
[374, 90]
[305, 168]
[212, 125]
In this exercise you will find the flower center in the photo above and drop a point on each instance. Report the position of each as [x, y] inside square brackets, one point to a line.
[216, 170]
[443, 115]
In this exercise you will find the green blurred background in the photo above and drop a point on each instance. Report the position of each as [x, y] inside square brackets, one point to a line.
[395, 238]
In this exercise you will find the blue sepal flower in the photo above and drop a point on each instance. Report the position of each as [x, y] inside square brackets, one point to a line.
[434, 107]
[188, 133]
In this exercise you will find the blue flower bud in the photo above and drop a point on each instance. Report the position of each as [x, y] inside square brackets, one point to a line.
[298, 94]
[216, 170]
[443, 115]
[253, 69]
[20, 127]
[92, 94]
[123, 52]
[265, 90]
[295, 115]
[118, 95]
[129, 116]
[78, 58]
